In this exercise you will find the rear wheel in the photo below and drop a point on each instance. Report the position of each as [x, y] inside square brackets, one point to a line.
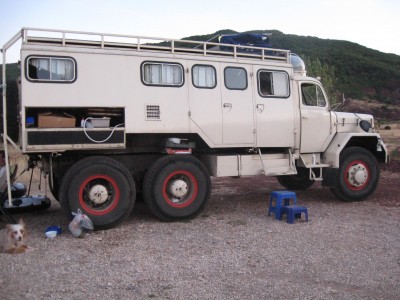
[54, 186]
[358, 175]
[176, 187]
[102, 188]
[300, 181]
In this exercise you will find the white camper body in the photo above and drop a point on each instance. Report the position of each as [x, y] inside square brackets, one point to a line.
[110, 114]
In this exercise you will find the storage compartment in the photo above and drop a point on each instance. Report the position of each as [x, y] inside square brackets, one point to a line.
[56, 120]
[49, 139]
[249, 164]
[73, 117]
[61, 128]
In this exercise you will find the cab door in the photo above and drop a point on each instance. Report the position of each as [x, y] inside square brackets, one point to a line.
[316, 127]
[237, 105]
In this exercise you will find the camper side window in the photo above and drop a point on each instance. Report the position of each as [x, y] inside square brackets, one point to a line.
[204, 76]
[235, 78]
[51, 69]
[273, 84]
[162, 74]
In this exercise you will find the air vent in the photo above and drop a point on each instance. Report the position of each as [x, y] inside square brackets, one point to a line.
[153, 112]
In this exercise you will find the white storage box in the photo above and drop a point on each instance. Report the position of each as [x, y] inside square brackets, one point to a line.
[100, 122]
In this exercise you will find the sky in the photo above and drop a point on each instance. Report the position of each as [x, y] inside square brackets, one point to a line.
[371, 23]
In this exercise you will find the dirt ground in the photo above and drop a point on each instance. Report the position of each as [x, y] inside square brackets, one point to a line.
[233, 250]
[391, 137]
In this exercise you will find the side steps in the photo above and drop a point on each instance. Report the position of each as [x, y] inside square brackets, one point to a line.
[274, 165]
[312, 161]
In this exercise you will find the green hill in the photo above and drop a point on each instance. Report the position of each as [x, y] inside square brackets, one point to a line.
[361, 72]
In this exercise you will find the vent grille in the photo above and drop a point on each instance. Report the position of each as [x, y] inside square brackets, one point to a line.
[153, 112]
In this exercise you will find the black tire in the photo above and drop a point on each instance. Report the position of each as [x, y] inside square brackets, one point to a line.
[102, 188]
[358, 175]
[55, 187]
[176, 187]
[300, 181]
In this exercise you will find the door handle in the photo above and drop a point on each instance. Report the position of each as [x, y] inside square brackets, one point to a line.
[227, 105]
[304, 118]
[260, 107]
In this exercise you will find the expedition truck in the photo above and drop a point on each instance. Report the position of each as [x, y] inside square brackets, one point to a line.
[107, 116]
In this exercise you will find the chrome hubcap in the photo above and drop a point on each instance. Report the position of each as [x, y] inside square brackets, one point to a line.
[178, 188]
[98, 194]
[358, 175]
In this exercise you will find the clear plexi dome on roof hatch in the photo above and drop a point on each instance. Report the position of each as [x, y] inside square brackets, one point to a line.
[298, 64]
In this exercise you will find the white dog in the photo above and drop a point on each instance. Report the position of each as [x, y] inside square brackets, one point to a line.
[13, 239]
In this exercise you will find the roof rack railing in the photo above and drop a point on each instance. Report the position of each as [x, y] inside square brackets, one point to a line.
[140, 43]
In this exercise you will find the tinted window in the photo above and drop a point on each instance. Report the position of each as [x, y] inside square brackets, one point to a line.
[235, 78]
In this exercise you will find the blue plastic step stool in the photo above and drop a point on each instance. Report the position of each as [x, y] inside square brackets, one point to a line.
[294, 212]
[281, 199]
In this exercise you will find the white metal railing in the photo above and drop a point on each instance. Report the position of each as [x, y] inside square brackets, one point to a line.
[140, 43]
[6, 138]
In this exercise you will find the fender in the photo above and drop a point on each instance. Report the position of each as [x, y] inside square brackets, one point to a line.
[369, 141]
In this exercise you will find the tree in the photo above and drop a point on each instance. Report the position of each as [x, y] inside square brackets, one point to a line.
[315, 68]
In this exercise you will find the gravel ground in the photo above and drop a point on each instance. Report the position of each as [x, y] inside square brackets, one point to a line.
[233, 250]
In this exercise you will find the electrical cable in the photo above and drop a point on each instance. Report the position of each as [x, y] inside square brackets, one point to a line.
[93, 140]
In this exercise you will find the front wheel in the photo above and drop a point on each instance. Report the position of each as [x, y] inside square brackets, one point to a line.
[357, 176]
[176, 187]
[101, 187]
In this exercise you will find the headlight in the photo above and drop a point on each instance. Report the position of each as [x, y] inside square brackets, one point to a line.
[365, 125]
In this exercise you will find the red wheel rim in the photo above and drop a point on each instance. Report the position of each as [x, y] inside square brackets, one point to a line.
[357, 175]
[185, 178]
[103, 204]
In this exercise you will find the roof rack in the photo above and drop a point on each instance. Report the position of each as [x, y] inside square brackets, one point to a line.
[144, 43]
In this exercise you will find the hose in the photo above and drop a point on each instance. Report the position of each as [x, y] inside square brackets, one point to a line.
[93, 140]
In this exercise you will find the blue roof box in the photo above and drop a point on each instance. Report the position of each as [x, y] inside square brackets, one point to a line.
[245, 39]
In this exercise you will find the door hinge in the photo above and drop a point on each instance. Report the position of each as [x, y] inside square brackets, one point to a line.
[189, 113]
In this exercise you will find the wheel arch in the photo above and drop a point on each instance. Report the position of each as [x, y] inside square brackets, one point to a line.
[371, 142]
